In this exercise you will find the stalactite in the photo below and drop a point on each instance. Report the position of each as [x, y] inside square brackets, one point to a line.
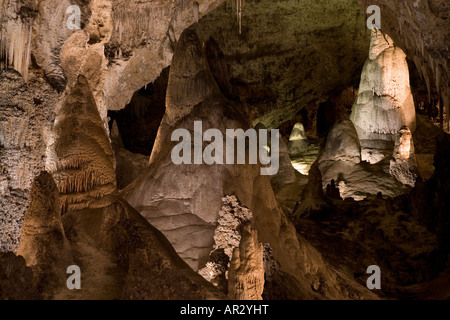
[15, 48]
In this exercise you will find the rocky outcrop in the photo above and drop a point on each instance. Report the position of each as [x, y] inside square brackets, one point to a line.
[185, 199]
[26, 117]
[286, 55]
[286, 172]
[16, 279]
[121, 256]
[128, 165]
[342, 144]
[313, 198]
[298, 141]
[340, 163]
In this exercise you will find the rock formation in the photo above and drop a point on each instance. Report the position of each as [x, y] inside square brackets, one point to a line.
[71, 70]
[118, 252]
[26, 117]
[384, 102]
[286, 47]
[313, 198]
[340, 161]
[403, 166]
[188, 212]
[81, 158]
[246, 275]
[342, 144]
[128, 165]
[420, 28]
[16, 279]
[286, 172]
[298, 141]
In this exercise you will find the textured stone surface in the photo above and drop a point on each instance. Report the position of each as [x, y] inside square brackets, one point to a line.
[16, 279]
[340, 161]
[128, 165]
[246, 276]
[26, 116]
[119, 253]
[123, 257]
[298, 141]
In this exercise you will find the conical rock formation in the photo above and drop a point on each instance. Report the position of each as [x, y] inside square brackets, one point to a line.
[81, 158]
[384, 102]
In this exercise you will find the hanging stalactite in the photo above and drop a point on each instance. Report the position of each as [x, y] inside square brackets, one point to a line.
[15, 49]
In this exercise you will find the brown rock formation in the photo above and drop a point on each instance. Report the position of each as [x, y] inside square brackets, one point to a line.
[81, 158]
[119, 253]
[403, 166]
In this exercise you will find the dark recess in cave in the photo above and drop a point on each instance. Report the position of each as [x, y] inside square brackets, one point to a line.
[139, 121]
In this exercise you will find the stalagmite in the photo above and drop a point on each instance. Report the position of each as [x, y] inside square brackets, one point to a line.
[81, 157]
[43, 243]
[246, 275]
[384, 102]
[298, 141]
[196, 10]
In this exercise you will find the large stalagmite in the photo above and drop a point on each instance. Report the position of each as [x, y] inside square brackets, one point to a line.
[184, 200]
[384, 102]
[81, 158]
